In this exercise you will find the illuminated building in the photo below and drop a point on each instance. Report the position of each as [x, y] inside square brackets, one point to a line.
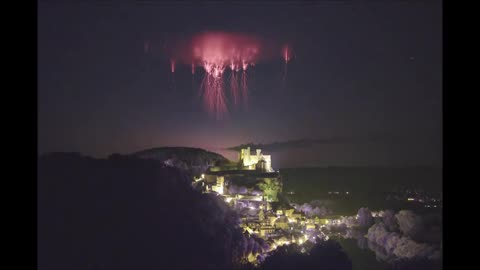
[271, 218]
[289, 212]
[218, 187]
[250, 179]
[296, 214]
[282, 223]
[264, 231]
[250, 161]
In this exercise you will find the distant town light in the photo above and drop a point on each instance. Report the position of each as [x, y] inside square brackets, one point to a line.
[411, 199]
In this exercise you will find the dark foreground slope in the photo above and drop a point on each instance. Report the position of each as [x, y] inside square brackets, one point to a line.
[129, 213]
[126, 213]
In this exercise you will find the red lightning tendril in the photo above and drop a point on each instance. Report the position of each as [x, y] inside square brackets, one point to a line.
[172, 65]
[286, 57]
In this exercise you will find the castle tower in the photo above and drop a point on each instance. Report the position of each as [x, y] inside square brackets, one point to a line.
[258, 153]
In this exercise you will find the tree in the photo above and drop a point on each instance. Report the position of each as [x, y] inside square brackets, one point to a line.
[410, 224]
[365, 218]
[270, 189]
[389, 220]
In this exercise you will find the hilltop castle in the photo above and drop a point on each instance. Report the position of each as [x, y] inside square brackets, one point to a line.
[251, 180]
[258, 161]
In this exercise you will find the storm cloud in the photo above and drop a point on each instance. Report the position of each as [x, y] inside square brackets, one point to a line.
[334, 140]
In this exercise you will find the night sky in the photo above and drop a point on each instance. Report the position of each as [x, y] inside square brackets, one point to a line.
[370, 74]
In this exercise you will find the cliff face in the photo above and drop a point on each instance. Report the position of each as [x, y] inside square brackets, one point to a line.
[194, 160]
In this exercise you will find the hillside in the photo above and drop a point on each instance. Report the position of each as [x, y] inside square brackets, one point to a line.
[194, 160]
[128, 213]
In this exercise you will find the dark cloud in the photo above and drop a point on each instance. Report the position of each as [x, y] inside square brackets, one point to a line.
[337, 140]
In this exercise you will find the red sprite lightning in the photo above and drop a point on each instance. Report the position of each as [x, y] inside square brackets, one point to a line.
[216, 52]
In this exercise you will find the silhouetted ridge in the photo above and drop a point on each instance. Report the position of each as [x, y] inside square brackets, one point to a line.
[194, 160]
[127, 213]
